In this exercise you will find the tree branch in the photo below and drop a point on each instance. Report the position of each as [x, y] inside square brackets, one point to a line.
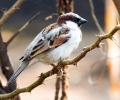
[22, 28]
[60, 65]
[6, 67]
[40, 81]
[64, 84]
[11, 11]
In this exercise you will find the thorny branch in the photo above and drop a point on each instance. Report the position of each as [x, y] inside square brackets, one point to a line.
[60, 65]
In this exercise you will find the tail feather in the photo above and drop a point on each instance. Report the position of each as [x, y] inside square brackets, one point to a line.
[21, 67]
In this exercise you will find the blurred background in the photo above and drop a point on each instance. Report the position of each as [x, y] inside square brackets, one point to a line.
[91, 78]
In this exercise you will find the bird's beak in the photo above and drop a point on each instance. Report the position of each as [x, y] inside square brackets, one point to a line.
[82, 21]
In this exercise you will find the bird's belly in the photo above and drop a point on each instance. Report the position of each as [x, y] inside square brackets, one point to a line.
[60, 53]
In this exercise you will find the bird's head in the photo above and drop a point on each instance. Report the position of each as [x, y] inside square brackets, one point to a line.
[71, 17]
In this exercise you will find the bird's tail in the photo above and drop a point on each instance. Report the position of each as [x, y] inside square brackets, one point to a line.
[21, 67]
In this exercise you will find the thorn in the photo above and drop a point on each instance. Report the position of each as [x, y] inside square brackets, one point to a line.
[100, 45]
[40, 75]
[53, 65]
[75, 64]
[84, 48]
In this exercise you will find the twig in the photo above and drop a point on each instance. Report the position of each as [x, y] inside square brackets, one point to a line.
[22, 28]
[94, 17]
[51, 16]
[64, 84]
[56, 69]
[11, 11]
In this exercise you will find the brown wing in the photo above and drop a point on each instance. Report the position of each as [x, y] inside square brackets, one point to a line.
[58, 41]
[59, 38]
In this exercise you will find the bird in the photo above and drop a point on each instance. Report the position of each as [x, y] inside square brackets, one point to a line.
[55, 42]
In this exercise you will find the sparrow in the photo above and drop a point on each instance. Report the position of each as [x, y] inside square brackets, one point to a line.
[54, 43]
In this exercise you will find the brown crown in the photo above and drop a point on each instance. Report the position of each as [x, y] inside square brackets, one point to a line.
[63, 18]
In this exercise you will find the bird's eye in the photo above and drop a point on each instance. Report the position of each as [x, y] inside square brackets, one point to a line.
[76, 19]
